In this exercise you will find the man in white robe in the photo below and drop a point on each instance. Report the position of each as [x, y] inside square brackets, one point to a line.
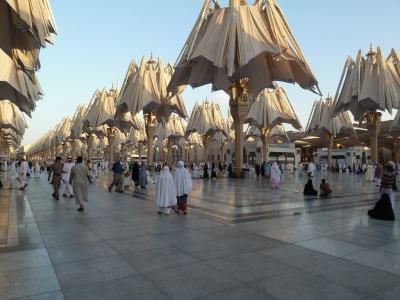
[23, 169]
[77, 178]
[13, 175]
[68, 192]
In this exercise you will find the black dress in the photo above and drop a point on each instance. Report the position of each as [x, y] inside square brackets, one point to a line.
[383, 209]
[205, 174]
[135, 172]
[309, 189]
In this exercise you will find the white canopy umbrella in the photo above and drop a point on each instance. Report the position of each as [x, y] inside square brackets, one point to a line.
[322, 124]
[11, 118]
[26, 26]
[271, 108]
[240, 42]
[366, 85]
[241, 50]
[145, 89]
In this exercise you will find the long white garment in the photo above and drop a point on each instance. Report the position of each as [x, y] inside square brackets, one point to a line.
[13, 175]
[182, 180]
[275, 172]
[68, 188]
[78, 180]
[95, 169]
[165, 189]
[196, 173]
[368, 174]
[127, 179]
[37, 170]
[23, 169]
[149, 180]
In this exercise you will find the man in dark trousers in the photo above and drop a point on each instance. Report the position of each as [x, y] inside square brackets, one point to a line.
[56, 170]
[117, 178]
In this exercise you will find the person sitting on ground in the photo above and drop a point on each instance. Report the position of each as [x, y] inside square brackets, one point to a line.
[383, 209]
[309, 189]
[324, 189]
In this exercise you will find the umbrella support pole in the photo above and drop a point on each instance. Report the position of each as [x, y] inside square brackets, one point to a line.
[329, 144]
[89, 142]
[239, 106]
[265, 132]
[111, 140]
[374, 126]
[150, 126]
[206, 143]
[74, 143]
[122, 152]
[65, 148]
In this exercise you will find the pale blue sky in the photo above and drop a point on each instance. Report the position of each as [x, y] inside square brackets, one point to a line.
[98, 39]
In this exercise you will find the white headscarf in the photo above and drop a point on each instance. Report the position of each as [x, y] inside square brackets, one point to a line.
[165, 189]
[182, 179]
[275, 172]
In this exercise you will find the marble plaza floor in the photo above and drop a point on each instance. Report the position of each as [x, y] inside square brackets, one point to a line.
[240, 240]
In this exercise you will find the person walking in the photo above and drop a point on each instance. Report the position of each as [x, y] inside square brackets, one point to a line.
[135, 173]
[68, 191]
[142, 179]
[183, 185]
[275, 176]
[37, 170]
[23, 170]
[77, 179]
[56, 170]
[165, 192]
[117, 177]
[388, 182]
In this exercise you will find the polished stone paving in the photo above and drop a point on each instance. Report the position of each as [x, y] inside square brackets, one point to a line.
[240, 240]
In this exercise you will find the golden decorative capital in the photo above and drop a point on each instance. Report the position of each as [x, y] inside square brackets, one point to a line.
[329, 136]
[265, 131]
[373, 117]
[111, 131]
[239, 92]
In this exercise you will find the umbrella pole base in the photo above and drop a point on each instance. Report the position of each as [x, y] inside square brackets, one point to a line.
[237, 173]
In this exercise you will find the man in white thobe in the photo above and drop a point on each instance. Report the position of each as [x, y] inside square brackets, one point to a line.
[77, 178]
[66, 174]
[13, 175]
[23, 169]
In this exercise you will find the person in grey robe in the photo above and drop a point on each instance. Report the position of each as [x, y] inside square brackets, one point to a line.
[79, 174]
[142, 180]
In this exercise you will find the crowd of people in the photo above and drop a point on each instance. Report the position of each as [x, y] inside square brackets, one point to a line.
[174, 180]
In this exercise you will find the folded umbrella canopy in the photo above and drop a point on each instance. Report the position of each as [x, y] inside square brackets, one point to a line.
[206, 120]
[241, 43]
[321, 123]
[145, 89]
[11, 118]
[173, 130]
[63, 131]
[26, 26]
[76, 127]
[366, 85]
[137, 136]
[272, 108]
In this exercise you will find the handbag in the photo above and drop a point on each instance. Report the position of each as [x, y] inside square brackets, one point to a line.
[127, 173]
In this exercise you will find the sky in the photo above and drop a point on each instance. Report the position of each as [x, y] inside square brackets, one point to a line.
[98, 39]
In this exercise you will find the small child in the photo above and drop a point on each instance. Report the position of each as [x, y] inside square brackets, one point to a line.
[324, 189]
